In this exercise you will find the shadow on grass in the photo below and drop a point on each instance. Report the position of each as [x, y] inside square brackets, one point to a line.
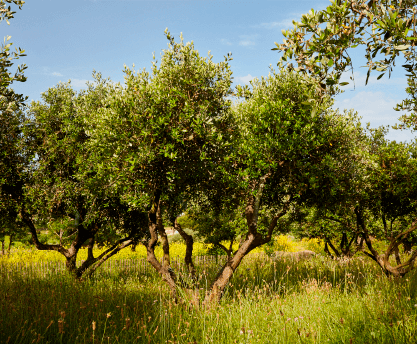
[267, 301]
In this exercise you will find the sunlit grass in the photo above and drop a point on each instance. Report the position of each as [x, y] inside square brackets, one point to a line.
[267, 301]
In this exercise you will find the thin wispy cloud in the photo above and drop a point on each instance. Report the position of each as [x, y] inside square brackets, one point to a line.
[225, 42]
[244, 79]
[360, 79]
[247, 40]
[281, 24]
[79, 82]
[376, 108]
[47, 71]
[275, 25]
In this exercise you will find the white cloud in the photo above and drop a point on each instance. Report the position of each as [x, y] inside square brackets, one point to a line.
[247, 40]
[244, 79]
[225, 41]
[376, 108]
[47, 71]
[282, 24]
[286, 23]
[360, 79]
[79, 82]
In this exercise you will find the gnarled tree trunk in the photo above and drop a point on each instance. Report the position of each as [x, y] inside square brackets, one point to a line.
[155, 226]
[70, 254]
[253, 240]
[189, 242]
[402, 268]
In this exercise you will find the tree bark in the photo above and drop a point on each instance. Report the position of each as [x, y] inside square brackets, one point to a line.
[326, 249]
[70, 254]
[333, 248]
[400, 269]
[92, 264]
[10, 244]
[253, 240]
[407, 245]
[155, 220]
[189, 242]
[166, 260]
[222, 279]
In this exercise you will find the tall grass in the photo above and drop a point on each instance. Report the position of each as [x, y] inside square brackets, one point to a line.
[267, 301]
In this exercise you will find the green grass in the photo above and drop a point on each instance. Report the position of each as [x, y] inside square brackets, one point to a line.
[318, 301]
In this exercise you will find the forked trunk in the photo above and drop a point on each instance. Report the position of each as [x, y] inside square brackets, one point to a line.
[71, 264]
[93, 263]
[222, 279]
[253, 240]
[383, 260]
[70, 254]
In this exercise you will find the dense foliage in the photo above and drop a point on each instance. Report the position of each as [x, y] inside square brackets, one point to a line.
[115, 165]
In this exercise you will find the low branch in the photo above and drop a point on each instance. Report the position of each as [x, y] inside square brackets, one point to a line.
[103, 258]
[40, 246]
[346, 224]
[370, 256]
[333, 248]
[400, 238]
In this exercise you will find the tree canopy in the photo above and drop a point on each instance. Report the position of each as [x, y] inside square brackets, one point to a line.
[321, 41]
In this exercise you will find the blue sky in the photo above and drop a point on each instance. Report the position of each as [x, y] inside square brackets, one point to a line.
[69, 39]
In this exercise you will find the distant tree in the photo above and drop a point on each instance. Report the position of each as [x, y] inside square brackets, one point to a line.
[338, 231]
[321, 42]
[375, 199]
[12, 228]
[387, 206]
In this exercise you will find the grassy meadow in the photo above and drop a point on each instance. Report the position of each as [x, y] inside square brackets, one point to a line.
[267, 301]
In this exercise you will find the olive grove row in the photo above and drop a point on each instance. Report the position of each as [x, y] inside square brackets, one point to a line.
[123, 161]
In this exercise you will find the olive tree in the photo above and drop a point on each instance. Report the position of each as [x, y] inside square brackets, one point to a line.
[386, 207]
[375, 199]
[320, 43]
[13, 155]
[162, 136]
[62, 188]
[286, 139]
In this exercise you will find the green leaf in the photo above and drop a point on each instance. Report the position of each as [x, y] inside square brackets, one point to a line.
[344, 83]
[330, 63]
[379, 77]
